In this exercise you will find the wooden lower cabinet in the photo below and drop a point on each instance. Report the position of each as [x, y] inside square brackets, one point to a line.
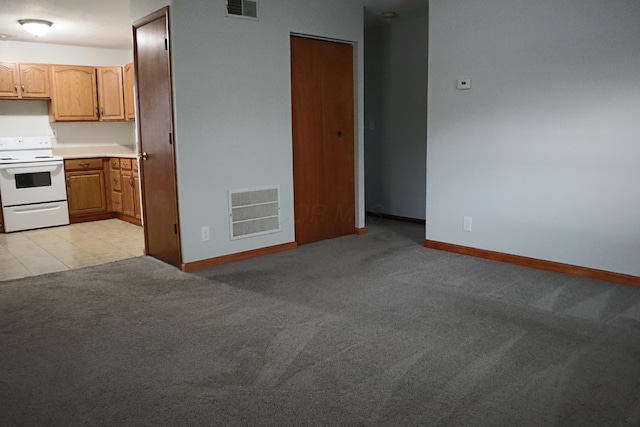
[128, 202]
[126, 193]
[87, 190]
[116, 188]
[102, 188]
[137, 200]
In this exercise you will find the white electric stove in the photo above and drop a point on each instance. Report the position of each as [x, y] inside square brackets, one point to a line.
[32, 184]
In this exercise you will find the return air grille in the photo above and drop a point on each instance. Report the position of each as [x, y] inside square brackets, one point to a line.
[254, 212]
[242, 8]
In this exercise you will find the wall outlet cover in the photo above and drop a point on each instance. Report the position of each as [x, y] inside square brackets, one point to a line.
[467, 223]
[205, 233]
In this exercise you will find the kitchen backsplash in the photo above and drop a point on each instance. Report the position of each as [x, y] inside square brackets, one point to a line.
[31, 118]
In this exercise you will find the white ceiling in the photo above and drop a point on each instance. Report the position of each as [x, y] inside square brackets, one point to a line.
[107, 24]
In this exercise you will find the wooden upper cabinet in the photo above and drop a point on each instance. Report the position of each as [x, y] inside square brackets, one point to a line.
[110, 93]
[129, 82]
[34, 81]
[9, 85]
[74, 93]
[24, 81]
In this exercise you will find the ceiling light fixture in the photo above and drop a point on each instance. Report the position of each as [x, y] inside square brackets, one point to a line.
[389, 14]
[37, 27]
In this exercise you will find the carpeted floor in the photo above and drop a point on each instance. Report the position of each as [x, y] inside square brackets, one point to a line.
[368, 330]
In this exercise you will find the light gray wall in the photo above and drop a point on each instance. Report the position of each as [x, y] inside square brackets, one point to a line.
[232, 84]
[544, 150]
[396, 102]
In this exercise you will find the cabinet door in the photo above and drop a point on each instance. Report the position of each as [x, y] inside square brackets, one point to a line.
[34, 79]
[116, 201]
[127, 194]
[137, 202]
[129, 82]
[110, 93]
[115, 180]
[9, 87]
[74, 94]
[86, 192]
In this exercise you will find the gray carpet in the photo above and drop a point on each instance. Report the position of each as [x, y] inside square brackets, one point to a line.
[369, 330]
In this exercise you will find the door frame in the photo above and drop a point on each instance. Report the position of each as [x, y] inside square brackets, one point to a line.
[160, 13]
[358, 137]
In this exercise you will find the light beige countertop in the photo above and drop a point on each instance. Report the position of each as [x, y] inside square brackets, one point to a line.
[127, 151]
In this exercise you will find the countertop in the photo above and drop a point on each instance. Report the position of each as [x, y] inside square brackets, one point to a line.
[126, 151]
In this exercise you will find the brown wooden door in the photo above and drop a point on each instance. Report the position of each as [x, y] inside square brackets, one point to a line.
[323, 139]
[155, 127]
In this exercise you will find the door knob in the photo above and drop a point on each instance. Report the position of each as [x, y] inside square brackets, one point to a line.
[143, 155]
[339, 133]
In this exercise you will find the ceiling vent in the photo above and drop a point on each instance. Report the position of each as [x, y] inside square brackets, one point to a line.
[242, 8]
[254, 212]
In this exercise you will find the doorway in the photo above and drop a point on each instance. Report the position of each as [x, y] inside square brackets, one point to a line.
[322, 86]
[155, 131]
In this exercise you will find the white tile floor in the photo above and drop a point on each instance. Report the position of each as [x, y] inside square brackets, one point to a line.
[33, 252]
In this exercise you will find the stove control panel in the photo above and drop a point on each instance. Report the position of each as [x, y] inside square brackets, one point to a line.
[25, 143]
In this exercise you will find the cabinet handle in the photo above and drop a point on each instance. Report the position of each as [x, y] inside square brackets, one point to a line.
[23, 89]
[84, 164]
[15, 86]
[102, 111]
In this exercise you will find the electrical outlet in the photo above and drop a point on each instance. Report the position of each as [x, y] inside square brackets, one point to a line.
[204, 233]
[467, 223]
[464, 84]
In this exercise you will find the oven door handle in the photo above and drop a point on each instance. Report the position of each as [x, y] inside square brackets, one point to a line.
[31, 168]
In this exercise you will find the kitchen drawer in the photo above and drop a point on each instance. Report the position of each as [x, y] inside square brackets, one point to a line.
[115, 163]
[116, 201]
[116, 184]
[125, 164]
[83, 164]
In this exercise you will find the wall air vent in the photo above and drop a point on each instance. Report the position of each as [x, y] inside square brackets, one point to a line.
[242, 8]
[254, 212]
